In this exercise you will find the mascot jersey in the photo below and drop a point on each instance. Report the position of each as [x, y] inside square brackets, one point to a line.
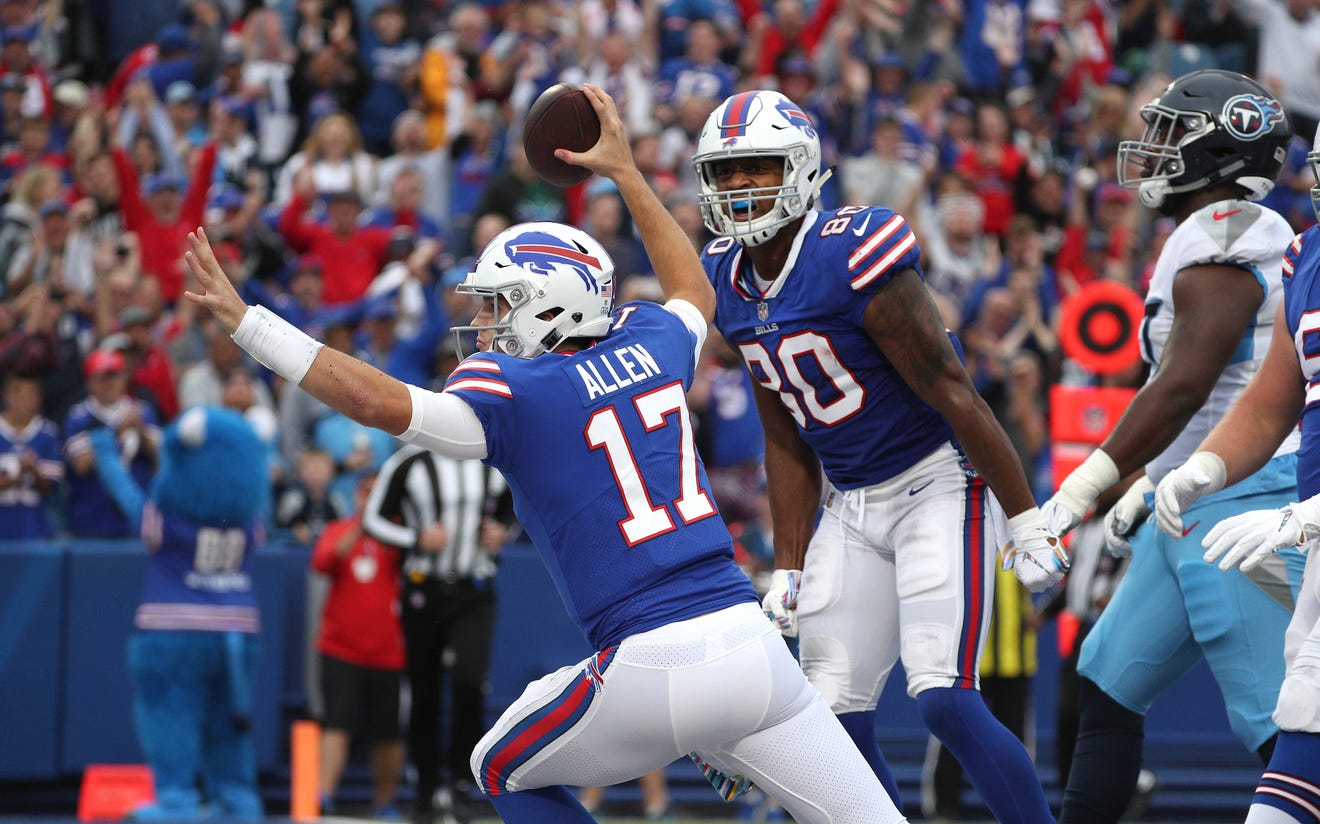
[598, 449]
[198, 577]
[802, 336]
[1301, 288]
[1230, 233]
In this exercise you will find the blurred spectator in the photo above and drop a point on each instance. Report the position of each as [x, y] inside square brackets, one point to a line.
[16, 56]
[63, 250]
[236, 149]
[785, 24]
[477, 153]
[202, 383]
[960, 253]
[146, 126]
[33, 149]
[333, 152]
[266, 74]
[361, 648]
[454, 64]
[520, 194]
[328, 80]
[699, 72]
[450, 518]
[882, 177]
[604, 219]
[358, 252]
[98, 182]
[992, 43]
[108, 405]
[20, 225]
[402, 209]
[624, 76]
[391, 62]
[1288, 55]
[1097, 243]
[431, 165]
[150, 366]
[306, 507]
[162, 213]
[30, 465]
[992, 164]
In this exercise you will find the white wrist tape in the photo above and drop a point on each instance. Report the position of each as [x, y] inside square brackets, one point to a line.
[277, 344]
[1085, 483]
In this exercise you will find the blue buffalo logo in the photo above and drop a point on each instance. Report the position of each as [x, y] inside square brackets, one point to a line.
[1251, 116]
[541, 252]
[796, 116]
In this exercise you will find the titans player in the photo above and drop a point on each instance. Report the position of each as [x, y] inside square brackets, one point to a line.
[1212, 145]
[582, 408]
[855, 373]
[1283, 392]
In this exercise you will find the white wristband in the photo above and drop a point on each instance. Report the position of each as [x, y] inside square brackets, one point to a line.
[1085, 483]
[277, 344]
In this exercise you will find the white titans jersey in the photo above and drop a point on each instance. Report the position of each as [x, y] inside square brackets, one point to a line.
[1233, 233]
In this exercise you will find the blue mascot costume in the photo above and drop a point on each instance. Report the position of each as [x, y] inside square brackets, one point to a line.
[192, 656]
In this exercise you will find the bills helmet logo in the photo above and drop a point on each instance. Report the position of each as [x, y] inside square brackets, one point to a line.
[796, 116]
[542, 252]
[1251, 116]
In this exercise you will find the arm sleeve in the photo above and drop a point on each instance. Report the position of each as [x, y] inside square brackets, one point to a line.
[445, 424]
[693, 320]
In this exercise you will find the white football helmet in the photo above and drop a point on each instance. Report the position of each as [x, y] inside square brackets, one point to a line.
[758, 124]
[1313, 160]
[557, 281]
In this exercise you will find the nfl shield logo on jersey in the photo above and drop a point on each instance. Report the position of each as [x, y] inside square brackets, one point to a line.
[762, 310]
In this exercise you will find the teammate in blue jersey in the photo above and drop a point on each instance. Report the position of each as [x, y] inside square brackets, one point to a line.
[856, 373]
[1213, 143]
[581, 406]
[1267, 414]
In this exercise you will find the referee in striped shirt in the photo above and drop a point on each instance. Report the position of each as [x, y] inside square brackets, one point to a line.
[450, 518]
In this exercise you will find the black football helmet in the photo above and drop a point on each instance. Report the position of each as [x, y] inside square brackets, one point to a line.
[1206, 127]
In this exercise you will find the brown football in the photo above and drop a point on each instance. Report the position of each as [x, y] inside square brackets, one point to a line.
[561, 118]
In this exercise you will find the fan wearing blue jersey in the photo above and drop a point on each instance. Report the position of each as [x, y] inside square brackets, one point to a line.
[581, 406]
[1282, 394]
[855, 374]
[1212, 145]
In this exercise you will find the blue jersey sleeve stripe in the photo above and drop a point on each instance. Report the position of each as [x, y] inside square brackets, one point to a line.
[481, 385]
[882, 266]
[887, 230]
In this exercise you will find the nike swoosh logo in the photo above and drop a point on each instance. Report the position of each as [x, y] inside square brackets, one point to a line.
[1222, 215]
[914, 490]
[1189, 529]
[861, 230]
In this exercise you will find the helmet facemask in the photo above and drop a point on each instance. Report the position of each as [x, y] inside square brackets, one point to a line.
[1151, 163]
[723, 211]
[1313, 160]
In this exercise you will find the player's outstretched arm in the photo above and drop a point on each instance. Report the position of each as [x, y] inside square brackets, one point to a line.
[362, 392]
[677, 267]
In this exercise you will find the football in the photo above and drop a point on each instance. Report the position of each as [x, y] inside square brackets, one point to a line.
[561, 118]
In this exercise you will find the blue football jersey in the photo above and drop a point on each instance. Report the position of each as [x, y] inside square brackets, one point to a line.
[23, 508]
[599, 451]
[803, 337]
[198, 577]
[1301, 303]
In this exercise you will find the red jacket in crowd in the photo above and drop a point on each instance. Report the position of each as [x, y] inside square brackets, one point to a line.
[360, 622]
[163, 246]
[352, 260]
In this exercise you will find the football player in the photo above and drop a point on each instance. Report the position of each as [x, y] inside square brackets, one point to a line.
[856, 373]
[581, 406]
[1264, 417]
[1212, 145]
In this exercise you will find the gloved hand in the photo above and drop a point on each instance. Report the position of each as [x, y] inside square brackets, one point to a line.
[1125, 516]
[1203, 474]
[780, 602]
[1252, 537]
[1036, 554]
[1078, 491]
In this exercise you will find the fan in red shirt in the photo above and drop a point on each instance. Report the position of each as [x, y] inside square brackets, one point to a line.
[362, 658]
[163, 218]
[355, 254]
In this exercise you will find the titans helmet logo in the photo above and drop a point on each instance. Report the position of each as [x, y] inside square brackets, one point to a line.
[1251, 116]
[541, 252]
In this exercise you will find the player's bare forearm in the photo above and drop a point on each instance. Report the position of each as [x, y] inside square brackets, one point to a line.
[677, 267]
[905, 323]
[793, 482]
[1216, 306]
[1266, 412]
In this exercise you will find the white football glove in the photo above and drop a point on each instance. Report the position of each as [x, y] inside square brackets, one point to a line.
[1125, 516]
[1203, 474]
[1036, 555]
[1078, 491]
[1247, 539]
[780, 602]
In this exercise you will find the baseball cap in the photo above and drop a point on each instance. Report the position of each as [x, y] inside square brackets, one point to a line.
[174, 37]
[18, 34]
[54, 206]
[180, 91]
[888, 60]
[226, 196]
[796, 64]
[71, 93]
[382, 308]
[339, 193]
[133, 315]
[103, 362]
[162, 180]
[306, 263]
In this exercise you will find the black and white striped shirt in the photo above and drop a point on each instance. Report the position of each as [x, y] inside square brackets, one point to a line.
[417, 488]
